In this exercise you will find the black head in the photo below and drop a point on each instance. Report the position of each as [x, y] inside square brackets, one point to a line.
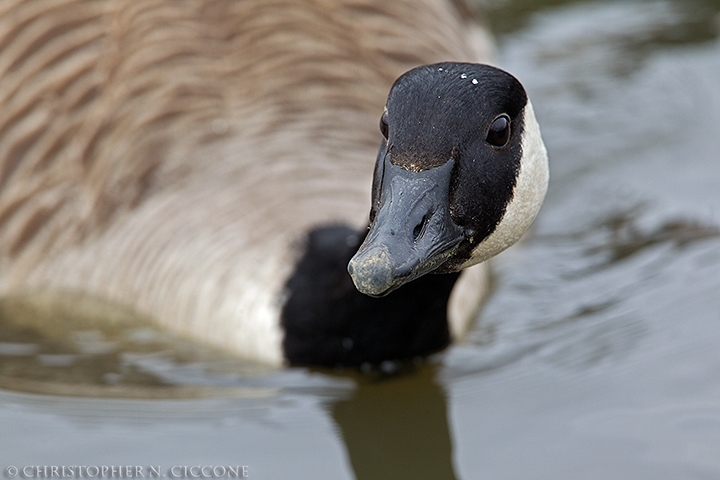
[446, 173]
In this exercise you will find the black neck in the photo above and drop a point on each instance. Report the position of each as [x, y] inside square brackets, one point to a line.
[328, 322]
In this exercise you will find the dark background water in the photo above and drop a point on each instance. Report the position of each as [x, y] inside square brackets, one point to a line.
[597, 356]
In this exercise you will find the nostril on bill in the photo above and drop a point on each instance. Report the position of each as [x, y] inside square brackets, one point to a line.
[420, 227]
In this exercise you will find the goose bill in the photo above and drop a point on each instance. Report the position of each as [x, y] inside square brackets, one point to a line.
[412, 233]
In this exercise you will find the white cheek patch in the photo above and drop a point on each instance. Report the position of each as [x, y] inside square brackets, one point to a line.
[528, 194]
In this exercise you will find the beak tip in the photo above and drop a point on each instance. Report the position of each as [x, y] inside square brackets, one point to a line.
[372, 271]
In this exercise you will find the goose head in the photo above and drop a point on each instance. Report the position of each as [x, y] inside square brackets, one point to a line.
[460, 175]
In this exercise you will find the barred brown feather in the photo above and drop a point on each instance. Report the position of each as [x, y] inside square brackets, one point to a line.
[145, 144]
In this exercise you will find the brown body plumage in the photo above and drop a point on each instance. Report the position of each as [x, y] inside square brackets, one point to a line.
[167, 154]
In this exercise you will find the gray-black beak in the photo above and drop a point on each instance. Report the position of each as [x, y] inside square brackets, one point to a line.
[412, 233]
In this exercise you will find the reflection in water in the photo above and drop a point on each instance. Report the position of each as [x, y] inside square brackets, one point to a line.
[689, 21]
[618, 238]
[396, 427]
[69, 344]
[626, 239]
[393, 426]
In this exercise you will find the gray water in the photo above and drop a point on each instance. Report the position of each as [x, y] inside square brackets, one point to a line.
[597, 356]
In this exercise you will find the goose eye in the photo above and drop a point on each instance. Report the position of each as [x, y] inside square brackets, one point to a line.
[384, 124]
[499, 132]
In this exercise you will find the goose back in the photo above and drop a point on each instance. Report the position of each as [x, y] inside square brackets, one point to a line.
[172, 155]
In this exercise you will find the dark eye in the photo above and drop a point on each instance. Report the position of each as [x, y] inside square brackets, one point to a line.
[499, 132]
[384, 124]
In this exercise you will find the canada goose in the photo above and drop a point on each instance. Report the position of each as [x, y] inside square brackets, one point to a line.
[210, 164]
